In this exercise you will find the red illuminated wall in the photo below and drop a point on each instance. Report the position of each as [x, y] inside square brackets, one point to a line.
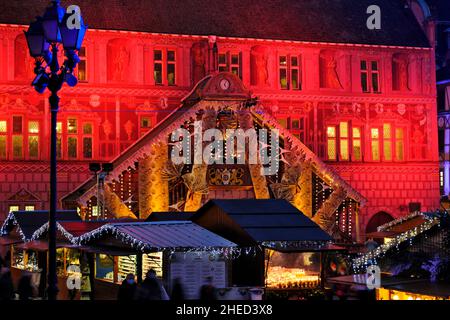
[384, 141]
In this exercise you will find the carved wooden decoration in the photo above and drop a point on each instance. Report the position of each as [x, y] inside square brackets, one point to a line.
[114, 205]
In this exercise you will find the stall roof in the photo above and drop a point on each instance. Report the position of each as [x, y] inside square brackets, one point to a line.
[170, 216]
[268, 220]
[28, 222]
[69, 229]
[156, 236]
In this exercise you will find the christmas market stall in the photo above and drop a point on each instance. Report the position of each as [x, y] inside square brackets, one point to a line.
[22, 252]
[414, 290]
[394, 288]
[414, 260]
[284, 248]
[174, 249]
[71, 261]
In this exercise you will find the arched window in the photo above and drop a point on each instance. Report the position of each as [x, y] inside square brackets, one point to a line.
[377, 220]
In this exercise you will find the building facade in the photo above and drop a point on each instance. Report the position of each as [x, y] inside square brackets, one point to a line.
[363, 103]
[433, 16]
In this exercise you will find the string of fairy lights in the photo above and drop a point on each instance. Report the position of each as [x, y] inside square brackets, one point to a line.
[371, 258]
[9, 223]
[230, 252]
[400, 220]
[43, 229]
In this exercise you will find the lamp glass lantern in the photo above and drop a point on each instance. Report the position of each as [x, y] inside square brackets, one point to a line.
[51, 21]
[72, 38]
[37, 44]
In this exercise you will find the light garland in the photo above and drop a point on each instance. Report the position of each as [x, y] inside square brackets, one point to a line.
[11, 219]
[305, 245]
[145, 247]
[371, 257]
[40, 232]
[400, 220]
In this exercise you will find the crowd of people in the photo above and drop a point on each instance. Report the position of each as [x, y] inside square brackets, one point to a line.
[25, 290]
[151, 288]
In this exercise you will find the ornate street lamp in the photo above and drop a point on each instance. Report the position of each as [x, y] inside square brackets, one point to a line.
[45, 34]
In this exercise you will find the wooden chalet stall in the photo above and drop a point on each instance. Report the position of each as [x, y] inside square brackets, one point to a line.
[71, 261]
[26, 253]
[284, 248]
[174, 249]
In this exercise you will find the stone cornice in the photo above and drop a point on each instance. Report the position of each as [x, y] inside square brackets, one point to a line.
[402, 168]
[41, 167]
[332, 98]
[182, 92]
[103, 90]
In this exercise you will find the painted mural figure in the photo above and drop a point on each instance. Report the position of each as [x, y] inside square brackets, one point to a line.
[129, 126]
[328, 72]
[120, 62]
[400, 76]
[259, 74]
[332, 76]
[199, 61]
[107, 128]
[418, 141]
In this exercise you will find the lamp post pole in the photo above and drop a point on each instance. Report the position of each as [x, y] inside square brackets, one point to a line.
[49, 31]
[54, 86]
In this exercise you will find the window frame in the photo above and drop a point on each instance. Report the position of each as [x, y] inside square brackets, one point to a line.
[152, 120]
[15, 134]
[87, 136]
[73, 135]
[5, 135]
[33, 134]
[392, 141]
[370, 72]
[289, 68]
[228, 65]
[299, 132]
[83, 58]
[354, 139]
[349, 140]
[164, 62]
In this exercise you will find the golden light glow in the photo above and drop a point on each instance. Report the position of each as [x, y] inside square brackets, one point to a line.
[59, 127]
[3, 126]
[343, 129]
[281, 277]
[375, 133]
[387, 294]
[331, 132]
[33, 127]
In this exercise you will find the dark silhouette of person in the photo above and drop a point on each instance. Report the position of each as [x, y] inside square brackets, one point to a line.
[25, 289]
[177, 290]
[6, 285]
[151, 288]
[7, 261]
[127, 289]
[208, 291]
